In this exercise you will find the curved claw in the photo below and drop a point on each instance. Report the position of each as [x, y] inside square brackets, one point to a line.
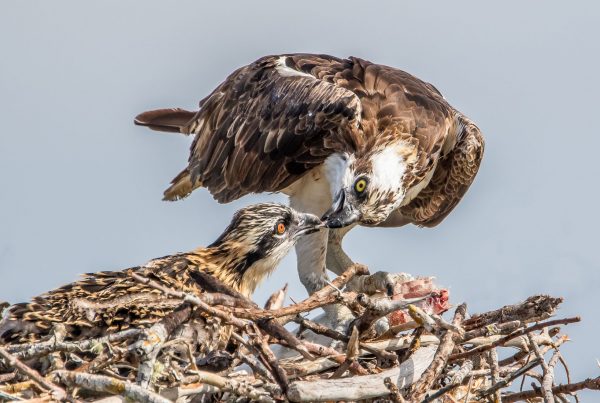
[379, 281]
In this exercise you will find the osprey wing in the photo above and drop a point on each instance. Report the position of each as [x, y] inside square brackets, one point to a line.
[265, 126]
[452, 177]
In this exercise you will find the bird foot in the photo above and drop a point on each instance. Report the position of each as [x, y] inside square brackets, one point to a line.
[379, 281]
[400, 286]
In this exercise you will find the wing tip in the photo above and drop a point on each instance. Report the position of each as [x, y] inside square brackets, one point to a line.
[181, 187]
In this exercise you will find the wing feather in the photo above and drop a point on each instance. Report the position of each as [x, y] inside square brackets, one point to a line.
[276, 109]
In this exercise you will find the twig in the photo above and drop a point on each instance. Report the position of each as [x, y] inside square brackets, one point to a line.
[379, 307]
[31, 350]
[57, 392]
[394, 391]
[504, 382]
[521, 332]
[362, 387]
[535, 308]
[233, 386]
[106, 384]
[153, 340]
[593, 384]
[422, 387]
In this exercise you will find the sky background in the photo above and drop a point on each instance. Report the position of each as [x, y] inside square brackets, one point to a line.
[81, 186]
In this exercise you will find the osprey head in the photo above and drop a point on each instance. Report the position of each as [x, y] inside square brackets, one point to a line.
[259, 236]
[365, 189]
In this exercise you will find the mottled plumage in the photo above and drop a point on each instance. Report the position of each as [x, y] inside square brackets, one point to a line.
[108, 301]
[272, 121]
[356, 142]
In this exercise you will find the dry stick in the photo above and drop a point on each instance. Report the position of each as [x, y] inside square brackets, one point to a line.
[107, 384]
[278, 372]
[379, 307]
[521, 332]
[9, 397]
[521, 354]
[494, 372]
[395, 394]
[153, 340]
[31, 350]
[326, 295]
[548, 379]
[256, 366]
[232, 386]
[258, 353]
[533, 309]
[492, 329]
[270, 326]
[423, 385]
[57, 392]
[333, 334]
[457, 379]
[415, 343]
[547, 391]
[276, 329]
[504, 382]
[593, 384]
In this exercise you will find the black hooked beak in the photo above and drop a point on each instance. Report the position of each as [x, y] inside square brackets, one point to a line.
[308, 223]
[341, 213]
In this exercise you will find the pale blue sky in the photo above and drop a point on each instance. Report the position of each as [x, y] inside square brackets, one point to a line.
[81, 186]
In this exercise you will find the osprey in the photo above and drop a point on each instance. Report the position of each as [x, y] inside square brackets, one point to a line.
[249, 249]
[356, 142]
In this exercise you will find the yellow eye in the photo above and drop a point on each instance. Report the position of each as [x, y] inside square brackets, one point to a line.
[280, 228]
[360, 185]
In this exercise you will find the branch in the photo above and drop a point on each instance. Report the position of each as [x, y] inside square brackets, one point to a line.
[593, 384]
[518, 333]
[106, 384]
[423, 386]
[57, 392]
[362, 387]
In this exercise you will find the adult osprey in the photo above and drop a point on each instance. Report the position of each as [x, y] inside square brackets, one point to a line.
[359, 142]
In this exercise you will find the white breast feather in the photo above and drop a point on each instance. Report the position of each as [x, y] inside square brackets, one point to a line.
[337, 172]
[388, 170]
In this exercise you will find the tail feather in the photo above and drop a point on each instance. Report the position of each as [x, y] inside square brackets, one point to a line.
[181, 186]
[166, 120]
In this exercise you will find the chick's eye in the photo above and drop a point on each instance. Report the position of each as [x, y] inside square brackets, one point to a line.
[280, 228]
[360, 185]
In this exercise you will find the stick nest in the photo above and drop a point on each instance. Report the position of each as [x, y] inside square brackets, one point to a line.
[482, 357]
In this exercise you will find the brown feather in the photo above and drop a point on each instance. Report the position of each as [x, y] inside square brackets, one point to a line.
[273, 120]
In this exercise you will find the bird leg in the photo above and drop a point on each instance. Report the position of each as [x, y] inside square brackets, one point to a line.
[338, 261]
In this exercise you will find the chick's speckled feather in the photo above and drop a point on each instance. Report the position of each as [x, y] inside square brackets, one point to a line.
[113, 300]
[109, 301]
[273, 120]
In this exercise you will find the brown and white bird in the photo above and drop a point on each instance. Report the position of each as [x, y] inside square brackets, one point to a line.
[359, 142]
[249, 249]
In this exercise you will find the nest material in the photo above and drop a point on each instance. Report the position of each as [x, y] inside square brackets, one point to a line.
[426, 359]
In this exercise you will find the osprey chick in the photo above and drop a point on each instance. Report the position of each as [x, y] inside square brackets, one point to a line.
[357, 142]
[249, 249]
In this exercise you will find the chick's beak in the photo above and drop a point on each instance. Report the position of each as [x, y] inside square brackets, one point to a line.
[342, 213]
[308, 223]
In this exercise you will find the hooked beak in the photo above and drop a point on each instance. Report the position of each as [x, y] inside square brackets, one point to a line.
[308, 223]
[341, 213]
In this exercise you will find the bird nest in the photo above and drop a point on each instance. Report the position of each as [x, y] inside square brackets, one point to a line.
[423, 358]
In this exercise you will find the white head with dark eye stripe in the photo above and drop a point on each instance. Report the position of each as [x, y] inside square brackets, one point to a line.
[258, 237]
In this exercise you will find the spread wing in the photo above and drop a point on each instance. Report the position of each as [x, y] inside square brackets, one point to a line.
[265, 126]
